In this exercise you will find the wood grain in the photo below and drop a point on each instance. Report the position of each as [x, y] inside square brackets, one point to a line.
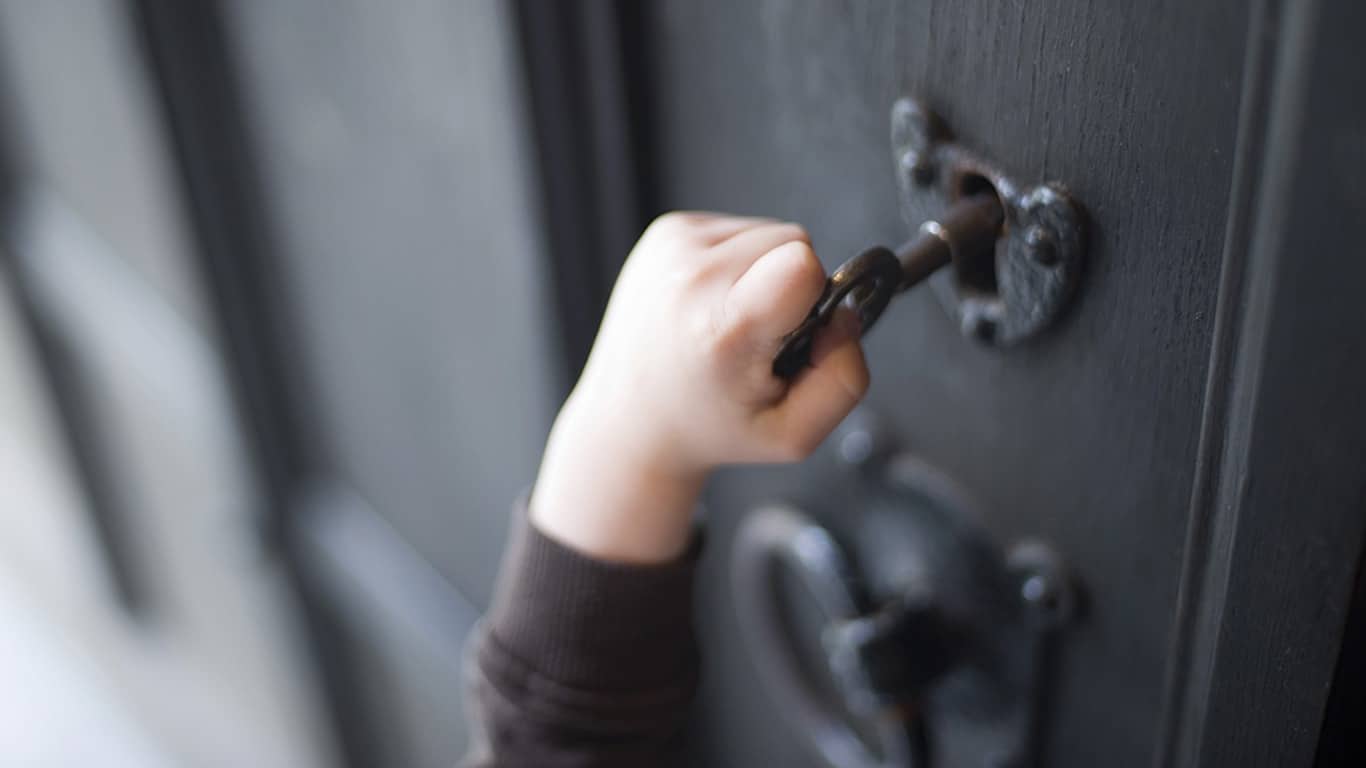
[1087, 438]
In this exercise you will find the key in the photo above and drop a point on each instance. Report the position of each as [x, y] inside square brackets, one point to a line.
[867, 282]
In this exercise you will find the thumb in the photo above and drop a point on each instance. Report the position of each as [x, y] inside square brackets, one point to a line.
[775, 294]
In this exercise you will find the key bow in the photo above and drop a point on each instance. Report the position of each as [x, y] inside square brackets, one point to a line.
[865, 283]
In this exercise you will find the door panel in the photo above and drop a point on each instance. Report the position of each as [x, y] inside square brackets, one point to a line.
[389, 147]
[189, 617]
[1086, 438]
[396, 180]
[69, 64]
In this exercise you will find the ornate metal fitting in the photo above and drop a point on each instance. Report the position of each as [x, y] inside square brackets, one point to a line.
[1037, 264]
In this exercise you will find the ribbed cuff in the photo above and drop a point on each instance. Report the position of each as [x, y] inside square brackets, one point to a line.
[593, 625]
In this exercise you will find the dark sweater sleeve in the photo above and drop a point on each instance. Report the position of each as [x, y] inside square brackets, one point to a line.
[581, 662]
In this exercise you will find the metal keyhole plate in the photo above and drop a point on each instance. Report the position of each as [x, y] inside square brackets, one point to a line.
[1020, 289]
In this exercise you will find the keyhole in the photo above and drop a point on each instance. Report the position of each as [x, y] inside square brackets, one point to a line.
[975, 271]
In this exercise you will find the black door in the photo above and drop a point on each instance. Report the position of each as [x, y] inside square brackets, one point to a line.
[1088, 437]
[1127, 436]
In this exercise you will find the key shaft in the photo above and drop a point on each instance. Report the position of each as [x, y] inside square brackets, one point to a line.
[968, 227]
[868, 281]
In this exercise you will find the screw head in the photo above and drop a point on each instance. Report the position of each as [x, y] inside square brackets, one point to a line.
[1042, 244]
[861, 441]
[856, 447]
[980, 326]
[1046, 595]
[922, 171]
[1037, 590]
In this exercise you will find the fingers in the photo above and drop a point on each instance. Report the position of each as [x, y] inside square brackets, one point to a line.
[733, 241]
[821, 396]
[718, 229]
[704, 228]
[775, 294]
[746, 247]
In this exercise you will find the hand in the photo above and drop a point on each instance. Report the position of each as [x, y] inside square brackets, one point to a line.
[680, 381]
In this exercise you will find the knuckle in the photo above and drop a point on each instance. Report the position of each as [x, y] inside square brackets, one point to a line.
[688, 276]
[673, 224]
[809, 442]
[790, 232]
[735, 334]
[807, 269]
[802, 448]
[857, 379]
[796, 446]
[726, 343]
[703, 329]
[703, 273]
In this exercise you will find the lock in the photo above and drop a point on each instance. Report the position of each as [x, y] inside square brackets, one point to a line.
[867, 282]
[1015, 290]
[935, 636]
[1016, 252]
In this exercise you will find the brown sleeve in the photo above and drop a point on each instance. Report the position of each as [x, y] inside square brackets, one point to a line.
[581, 662]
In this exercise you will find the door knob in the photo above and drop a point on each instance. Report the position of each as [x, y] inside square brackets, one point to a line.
[933, 635]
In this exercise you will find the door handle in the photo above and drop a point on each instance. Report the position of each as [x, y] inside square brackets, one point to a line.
[774, 537]
[933, 635]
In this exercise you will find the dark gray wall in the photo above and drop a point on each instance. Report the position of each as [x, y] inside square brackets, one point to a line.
[149, 560]
[396, 173]
[390, 144]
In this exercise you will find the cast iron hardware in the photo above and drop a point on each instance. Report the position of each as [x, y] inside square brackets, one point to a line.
[867, 282]
[935, 638]
[1037, 262]
[1016, 250]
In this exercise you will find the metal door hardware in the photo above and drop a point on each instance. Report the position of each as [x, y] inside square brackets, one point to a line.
[868, 281]
[1016, 251]
[935, 638]
[1035, 267]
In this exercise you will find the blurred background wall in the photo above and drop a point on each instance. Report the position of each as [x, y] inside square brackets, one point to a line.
[274, 364]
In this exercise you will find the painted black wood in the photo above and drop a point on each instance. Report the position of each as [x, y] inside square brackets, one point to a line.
[1195, 626]
[1088, 438]
[1342, 743]
[1288, 518]
[583, 77]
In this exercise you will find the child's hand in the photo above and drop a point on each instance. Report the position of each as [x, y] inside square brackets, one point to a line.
[680, 381]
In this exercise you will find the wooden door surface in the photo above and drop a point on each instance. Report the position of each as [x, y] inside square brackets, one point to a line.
[1089, 437]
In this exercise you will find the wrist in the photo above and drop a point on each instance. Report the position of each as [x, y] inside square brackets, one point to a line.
[612, 490]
